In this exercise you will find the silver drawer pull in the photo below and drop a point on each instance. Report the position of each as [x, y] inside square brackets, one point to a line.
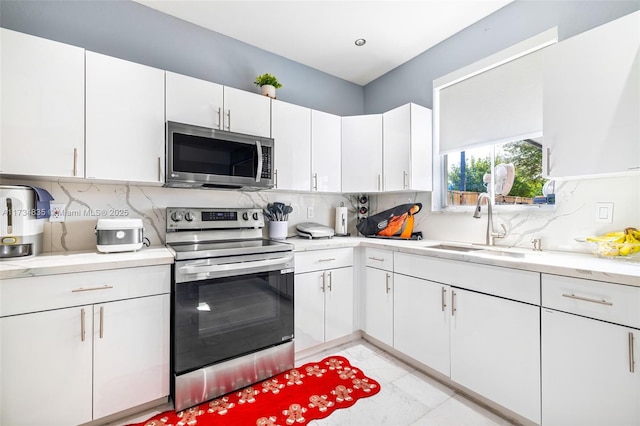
[104, 287]
[330, 259]
[377, 259]
[586, 299]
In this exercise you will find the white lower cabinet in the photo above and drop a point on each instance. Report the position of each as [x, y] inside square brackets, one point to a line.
[323, 302]
[486, 343]
[421, 321]
[81, 362]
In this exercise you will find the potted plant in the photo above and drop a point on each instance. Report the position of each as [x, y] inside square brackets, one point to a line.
[268, 84]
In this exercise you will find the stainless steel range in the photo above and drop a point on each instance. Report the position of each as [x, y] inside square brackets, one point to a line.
[232, 302]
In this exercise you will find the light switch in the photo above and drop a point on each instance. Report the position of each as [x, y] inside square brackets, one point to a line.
[604, 212]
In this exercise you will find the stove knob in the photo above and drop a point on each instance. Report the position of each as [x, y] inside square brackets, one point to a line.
[245, 216]
[255, 216]
[176, 216]
[188, 216]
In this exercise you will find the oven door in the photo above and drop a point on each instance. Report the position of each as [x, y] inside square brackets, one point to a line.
[228, 307]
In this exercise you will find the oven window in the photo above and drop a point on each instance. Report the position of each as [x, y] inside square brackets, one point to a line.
[223, 318]
[197, 154]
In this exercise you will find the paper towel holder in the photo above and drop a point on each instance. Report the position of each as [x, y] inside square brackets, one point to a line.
[342, 221]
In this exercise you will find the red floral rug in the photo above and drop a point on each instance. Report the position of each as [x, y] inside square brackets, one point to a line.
[310, 392]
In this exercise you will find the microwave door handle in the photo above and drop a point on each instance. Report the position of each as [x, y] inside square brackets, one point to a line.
[234, 266]
[260, 160]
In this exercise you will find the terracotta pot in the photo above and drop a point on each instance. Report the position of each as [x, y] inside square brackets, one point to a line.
[268, 90]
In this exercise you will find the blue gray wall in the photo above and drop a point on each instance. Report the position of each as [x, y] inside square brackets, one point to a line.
[131, 31]
[413, 81]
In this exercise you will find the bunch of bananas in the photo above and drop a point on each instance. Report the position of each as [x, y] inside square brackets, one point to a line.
[622, 243]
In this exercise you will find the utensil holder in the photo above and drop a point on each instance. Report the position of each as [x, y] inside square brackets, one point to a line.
[278, 230]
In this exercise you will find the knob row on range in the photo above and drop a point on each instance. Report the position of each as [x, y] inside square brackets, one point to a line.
[245, 216]
[178, 216]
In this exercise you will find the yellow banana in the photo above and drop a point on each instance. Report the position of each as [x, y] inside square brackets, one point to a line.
[619, 243]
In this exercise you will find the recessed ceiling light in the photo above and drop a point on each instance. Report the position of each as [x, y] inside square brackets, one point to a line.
[360, 42]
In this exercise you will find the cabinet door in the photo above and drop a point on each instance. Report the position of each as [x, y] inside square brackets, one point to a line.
[338, 316]
[586, 372]
[309, 309]
[396, 148]
[42, 126]
[378, 289]
[362, 148]
[326, 141]
[246, 112]
[291, 129]
[421, 321]
[193, 101]
[495, 350]
[131, 353]
[46, 368]
[125, 120]
[591, 103]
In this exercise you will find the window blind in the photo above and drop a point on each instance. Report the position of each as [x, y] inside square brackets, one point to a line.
[501, 104]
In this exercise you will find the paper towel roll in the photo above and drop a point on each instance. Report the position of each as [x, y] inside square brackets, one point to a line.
[341, 221]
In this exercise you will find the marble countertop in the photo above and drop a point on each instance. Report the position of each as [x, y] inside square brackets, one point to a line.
[83, 261]
[577, 265]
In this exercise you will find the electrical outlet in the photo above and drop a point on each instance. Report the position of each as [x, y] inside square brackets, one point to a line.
[57, 213]
[309, 212]
[604, 212]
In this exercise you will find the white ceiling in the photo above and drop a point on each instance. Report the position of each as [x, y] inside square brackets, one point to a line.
[321, 33]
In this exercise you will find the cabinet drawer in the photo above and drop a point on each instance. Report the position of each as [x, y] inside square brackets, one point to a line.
[34, 294]
[381, 259]
[619, 304]
[514, 284]
[319, 260]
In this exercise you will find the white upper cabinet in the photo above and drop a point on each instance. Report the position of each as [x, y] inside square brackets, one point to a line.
[42, 92]
[124, 120]
[193, 101]
[246, 112]
[591, 103]
[362, 150]
[406, 148]
[291, 131]
[326, 142]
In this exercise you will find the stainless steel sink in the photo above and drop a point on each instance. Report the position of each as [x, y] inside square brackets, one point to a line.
[450, 247]
[501, 253]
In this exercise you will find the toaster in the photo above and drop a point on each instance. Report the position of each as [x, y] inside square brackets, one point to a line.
[117, 235]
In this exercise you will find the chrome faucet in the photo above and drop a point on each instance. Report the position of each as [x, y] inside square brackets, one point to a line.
[491, 234]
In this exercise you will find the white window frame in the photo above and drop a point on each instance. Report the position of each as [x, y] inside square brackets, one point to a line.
[438, 202]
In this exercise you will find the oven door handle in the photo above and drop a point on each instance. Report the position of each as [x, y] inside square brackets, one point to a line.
[234, 266]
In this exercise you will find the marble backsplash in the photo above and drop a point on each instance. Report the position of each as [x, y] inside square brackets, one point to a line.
[86, 202]
[572, 217]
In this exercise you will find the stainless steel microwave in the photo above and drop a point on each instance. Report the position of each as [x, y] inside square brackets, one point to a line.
[200, 157]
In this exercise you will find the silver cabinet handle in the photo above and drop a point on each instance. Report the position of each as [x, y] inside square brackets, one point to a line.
[159, 169]
[548, 161]
[330, 281]
[81, 289]
[377, 259]
[324, 280]
[453, 303]
[315, 181]
[329, 259]
[444, 299]
[75, 161]
[228, 119]
[219, 118]
[632, 361]
[388, 288]
[83, 329]
[586, 299]
[101, 322]
[404, 180]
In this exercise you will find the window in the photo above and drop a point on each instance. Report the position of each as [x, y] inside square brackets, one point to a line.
[515, 167]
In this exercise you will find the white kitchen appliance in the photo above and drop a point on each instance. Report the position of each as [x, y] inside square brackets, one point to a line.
[119, 234]
[314, 230]
[20, 232]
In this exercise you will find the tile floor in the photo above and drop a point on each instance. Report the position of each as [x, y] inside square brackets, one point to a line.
[407, 397]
